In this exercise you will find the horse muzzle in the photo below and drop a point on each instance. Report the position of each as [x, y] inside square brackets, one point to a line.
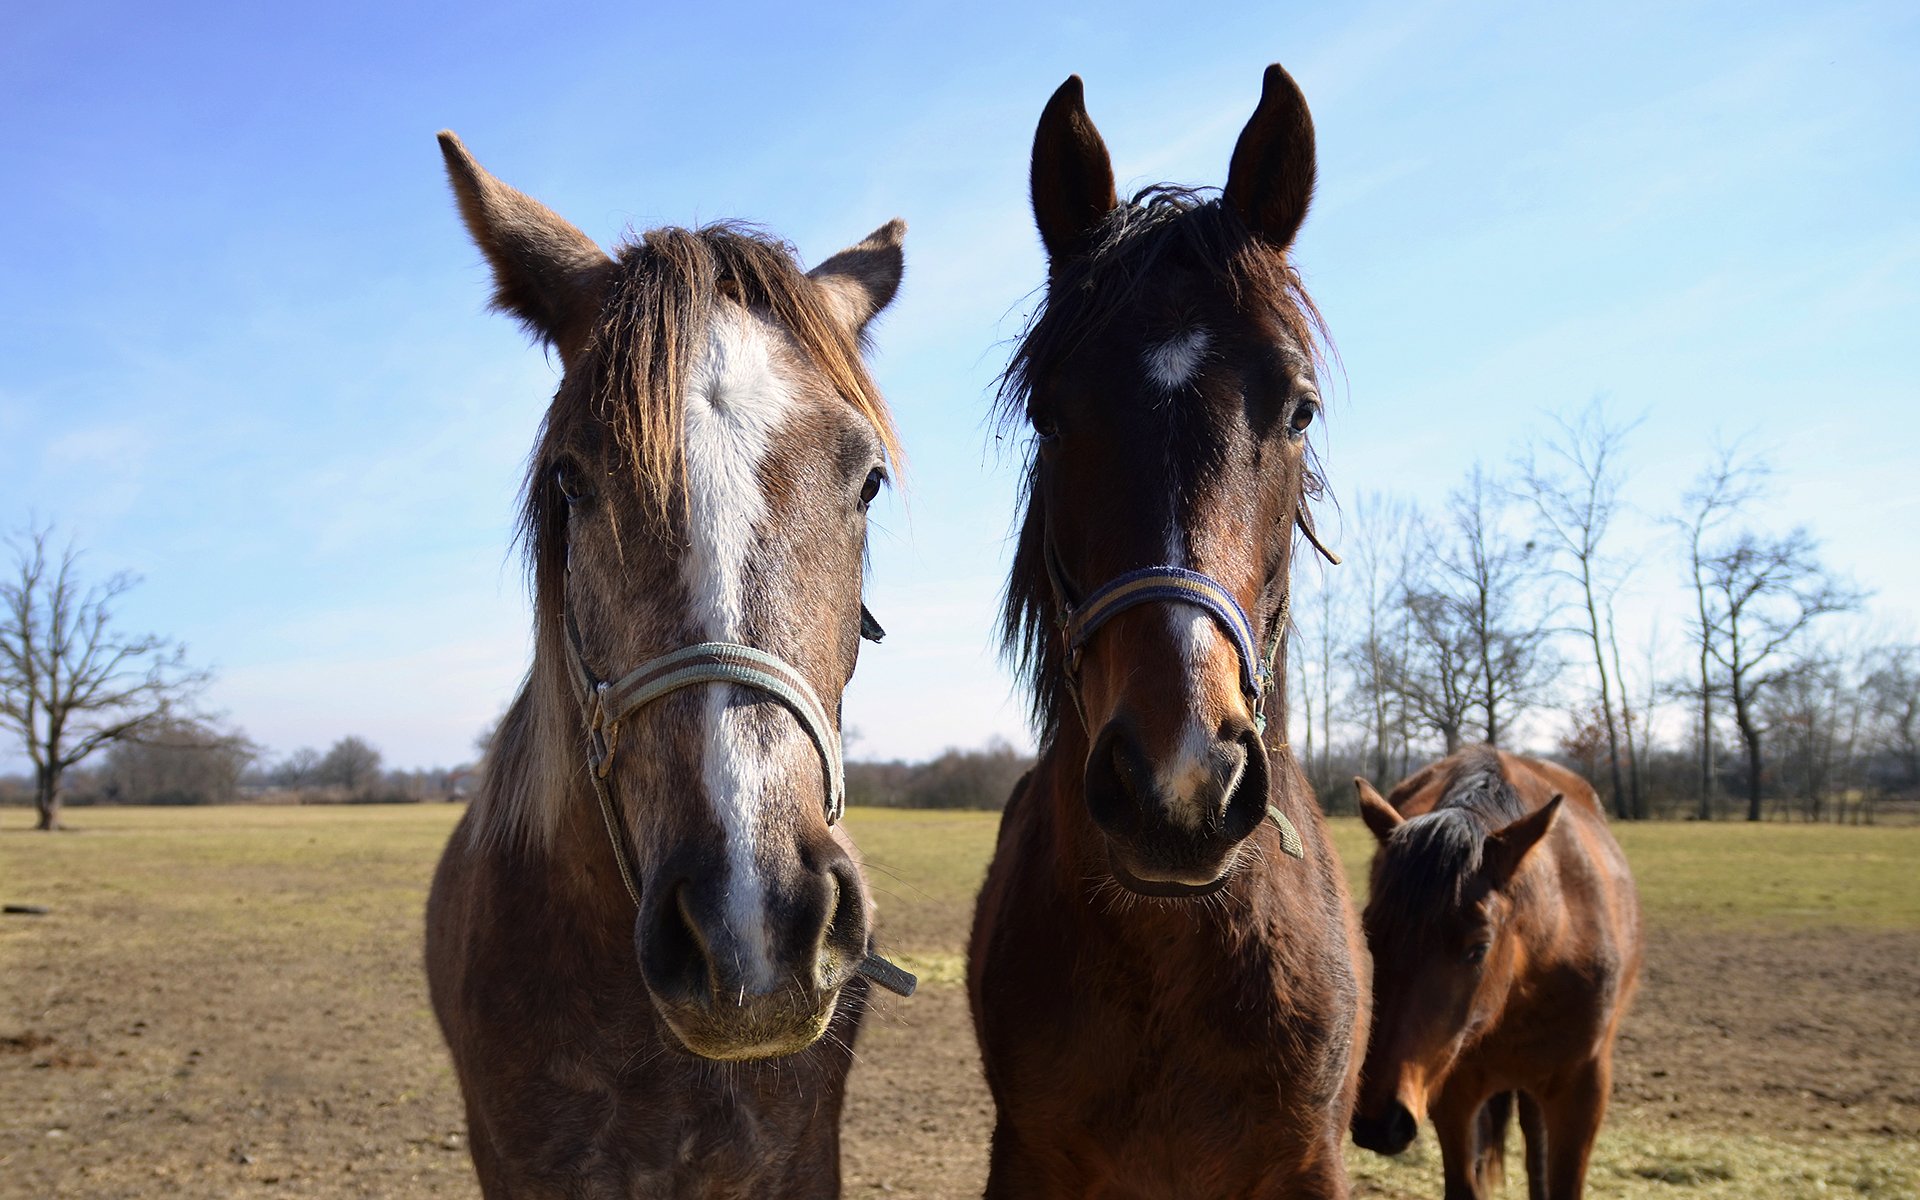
[1388, 1132]
[758, 979]
[1175, 832]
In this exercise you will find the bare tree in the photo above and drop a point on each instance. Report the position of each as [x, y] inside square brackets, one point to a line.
[1318, 644]
[1303, 666]
[1585, 741]
[71, 682]
[1766, 593]
[299, 769]
[1573, 479]
[1892, 695]
[1433, 670]
[1384, 529]
[177, 762]
[1636, 729]
[1726, 484]
[1485, 576]
[1649, 715]
[351, 763]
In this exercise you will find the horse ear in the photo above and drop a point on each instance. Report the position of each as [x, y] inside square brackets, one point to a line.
[1271, 180]
[1072, 176]
[862, 279]
[1507, 847]
[1381, 817]
[546, 273]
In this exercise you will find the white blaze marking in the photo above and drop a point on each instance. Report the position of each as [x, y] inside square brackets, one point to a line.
[1185, 770]
[736, 407]
[1174, 362]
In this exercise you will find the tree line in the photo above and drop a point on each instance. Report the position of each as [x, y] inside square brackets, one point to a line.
[957, 779]
[1495, 618]
[186, 762]
[108, 716]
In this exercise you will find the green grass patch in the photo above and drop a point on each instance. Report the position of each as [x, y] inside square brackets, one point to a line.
[924, 869]
[1637, 1164]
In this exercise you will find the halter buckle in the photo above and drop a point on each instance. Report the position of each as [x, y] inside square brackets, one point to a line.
[602, 736]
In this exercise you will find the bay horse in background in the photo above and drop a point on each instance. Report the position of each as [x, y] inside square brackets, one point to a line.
[1505, 932]
[645, 939]
[1165, 971]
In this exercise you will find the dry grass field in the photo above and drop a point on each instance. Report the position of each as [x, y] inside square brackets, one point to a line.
[228, 1002]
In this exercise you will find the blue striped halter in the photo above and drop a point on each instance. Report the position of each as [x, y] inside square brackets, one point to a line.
[1169, 585]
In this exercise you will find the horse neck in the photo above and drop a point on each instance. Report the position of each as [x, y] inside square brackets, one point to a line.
[544, 827]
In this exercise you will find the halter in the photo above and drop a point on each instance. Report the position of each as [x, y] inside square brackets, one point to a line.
[1178, 585]
[604, 706]
[1168, 585]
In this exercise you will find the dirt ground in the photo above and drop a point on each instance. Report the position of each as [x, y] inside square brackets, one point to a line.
[241, 1013]
[1810, 1035]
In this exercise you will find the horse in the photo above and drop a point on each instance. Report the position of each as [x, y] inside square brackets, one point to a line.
[647, 941]
[1505, 932]
[1165, 972]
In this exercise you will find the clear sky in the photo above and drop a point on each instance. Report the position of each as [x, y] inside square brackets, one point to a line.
[244, 351]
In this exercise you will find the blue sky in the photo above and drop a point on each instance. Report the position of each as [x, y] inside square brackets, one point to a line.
[244, 350]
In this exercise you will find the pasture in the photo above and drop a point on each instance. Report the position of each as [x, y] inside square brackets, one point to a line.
[229, 1001]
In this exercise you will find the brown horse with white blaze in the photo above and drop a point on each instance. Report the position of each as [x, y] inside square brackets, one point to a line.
[645, 939]
[1165, 971]
[1505, 932]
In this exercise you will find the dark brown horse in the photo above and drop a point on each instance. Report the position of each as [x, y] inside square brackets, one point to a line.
[1506, 944]
[1165, 971]
[643, 938]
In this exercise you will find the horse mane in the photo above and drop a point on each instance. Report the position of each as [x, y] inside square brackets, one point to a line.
[1431, 858]
[629, 388]
[1158, 223]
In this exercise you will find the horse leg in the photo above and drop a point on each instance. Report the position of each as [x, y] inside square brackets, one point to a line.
[1534, 1131]
[486, 1164]
[1015, 1172]
[1456, 1119]
[1490, 1141]
[1572, 1118]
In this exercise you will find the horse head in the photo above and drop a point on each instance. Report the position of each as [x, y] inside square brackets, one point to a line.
[1438, 921]
[1169, 379]
[700, 488]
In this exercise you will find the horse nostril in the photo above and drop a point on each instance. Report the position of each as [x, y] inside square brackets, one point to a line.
[1130, 772]
[1119, 782]
[673, 955]
[1401, 1127]
[1389, 1133]
[1226, 767]
[1245, 800]
[843, 939]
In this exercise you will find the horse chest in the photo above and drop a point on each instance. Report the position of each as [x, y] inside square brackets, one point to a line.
[1157, 1069]
[654, 1145]
[1555, 1017]
[595, 1126]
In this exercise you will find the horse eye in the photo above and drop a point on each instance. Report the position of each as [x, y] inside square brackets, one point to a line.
[871, 487]
[1044, 427]
[566, 477]
[1475, 955]
[1303, 414]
